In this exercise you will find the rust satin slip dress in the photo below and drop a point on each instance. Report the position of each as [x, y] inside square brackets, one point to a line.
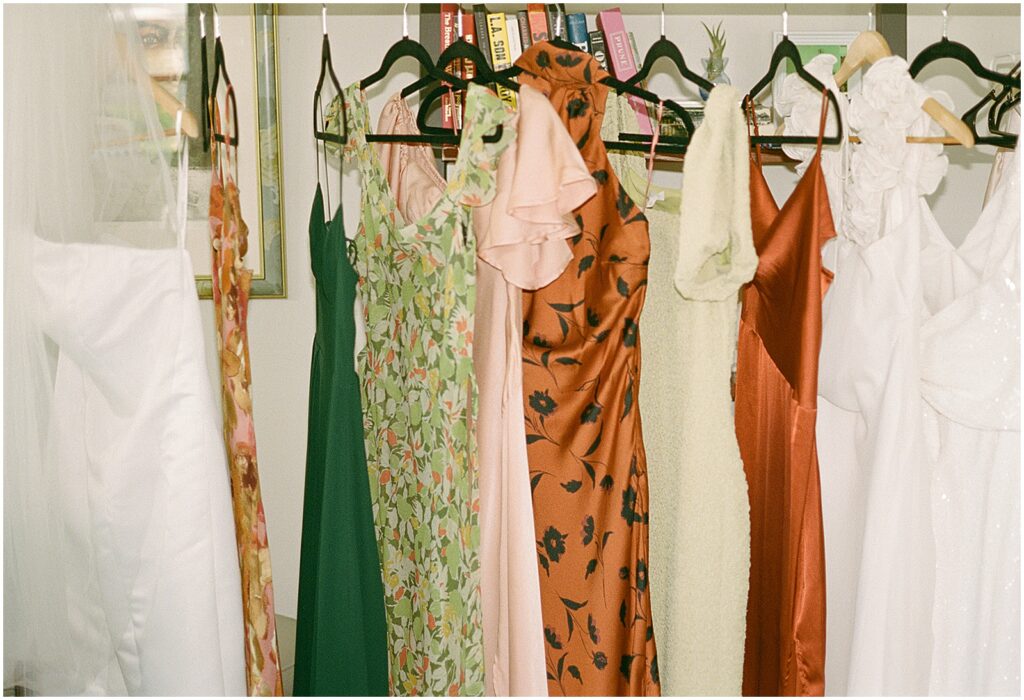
[581, 364]
[776, 390]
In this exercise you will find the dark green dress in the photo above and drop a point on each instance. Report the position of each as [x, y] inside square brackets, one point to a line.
[341, 639]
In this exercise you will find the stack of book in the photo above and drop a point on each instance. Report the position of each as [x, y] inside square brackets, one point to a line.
[502, 37]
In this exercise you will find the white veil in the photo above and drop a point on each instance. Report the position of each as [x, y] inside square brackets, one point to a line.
[86, 161]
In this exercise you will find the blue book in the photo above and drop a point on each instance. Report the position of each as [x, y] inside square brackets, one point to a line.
[576, 24]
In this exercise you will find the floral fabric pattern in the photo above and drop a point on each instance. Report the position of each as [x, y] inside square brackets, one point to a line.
[417, 282]
[231, 283]
[581, 364]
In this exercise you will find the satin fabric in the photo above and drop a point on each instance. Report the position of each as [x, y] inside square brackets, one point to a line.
[521, 244]
[776, 388]
[581, 364]
[146, 496]
[341, 645]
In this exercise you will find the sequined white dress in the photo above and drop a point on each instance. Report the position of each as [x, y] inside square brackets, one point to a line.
[918, 420]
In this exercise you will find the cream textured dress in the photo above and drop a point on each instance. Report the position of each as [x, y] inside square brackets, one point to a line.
[700, 525]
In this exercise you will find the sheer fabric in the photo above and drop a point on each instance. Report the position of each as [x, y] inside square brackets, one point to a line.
[119, 571]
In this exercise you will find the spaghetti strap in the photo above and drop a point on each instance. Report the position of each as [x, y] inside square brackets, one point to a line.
[823, 119]
[215, 146]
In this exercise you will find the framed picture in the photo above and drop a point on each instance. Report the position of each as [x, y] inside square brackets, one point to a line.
[172, 43]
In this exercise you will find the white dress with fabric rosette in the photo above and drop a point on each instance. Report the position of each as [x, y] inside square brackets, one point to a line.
[918, 429]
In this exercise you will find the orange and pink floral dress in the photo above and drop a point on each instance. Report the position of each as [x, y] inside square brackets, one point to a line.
[231, 282]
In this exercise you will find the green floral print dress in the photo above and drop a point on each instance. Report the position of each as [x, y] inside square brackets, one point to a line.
[416, 283]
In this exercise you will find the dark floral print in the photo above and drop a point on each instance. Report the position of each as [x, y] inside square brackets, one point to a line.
[581, 356]
[554, 543]
[542, 403]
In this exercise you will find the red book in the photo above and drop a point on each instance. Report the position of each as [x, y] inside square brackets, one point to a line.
[448, 37]
[468, 70]
[538, 21]
[621, 61]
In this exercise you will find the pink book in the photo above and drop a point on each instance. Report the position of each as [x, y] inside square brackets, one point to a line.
[621, 61]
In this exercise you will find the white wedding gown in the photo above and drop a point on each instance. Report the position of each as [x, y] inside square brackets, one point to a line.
[918, 428]
[120, 568]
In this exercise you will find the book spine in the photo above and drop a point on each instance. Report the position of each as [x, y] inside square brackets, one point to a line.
[597, 48]
[480, 23]
[538, 23]
[515, 45]
[469, 71]
[497, 35]
[621, 61]
[652, 109]
[448, 35]
[556, 21]
[524, 29]
[577, 28]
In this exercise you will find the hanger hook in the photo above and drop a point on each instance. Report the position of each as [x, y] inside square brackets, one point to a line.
[202, 25]
[323, 17]
[216, 23]
[662, 20]
[458, 22]
[405, 21]
[945, 21]
[785, 20]
[871, 21]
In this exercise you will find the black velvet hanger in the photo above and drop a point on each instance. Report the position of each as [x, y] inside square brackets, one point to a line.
[1001, 105]
[219, 69]
[407, 47]
[944, 48]
[665, 48]
[204, 76]
[483, 74]
[630, 142]
[327, 69]
[998, 105]
[786, 49]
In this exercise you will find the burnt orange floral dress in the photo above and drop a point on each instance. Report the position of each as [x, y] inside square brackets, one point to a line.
[581, 355]
[231, 282]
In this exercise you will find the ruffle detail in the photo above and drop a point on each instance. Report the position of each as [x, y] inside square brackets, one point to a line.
[884, 113]
[542, 179]
[800, 106]
[357, 115]
[475, 175]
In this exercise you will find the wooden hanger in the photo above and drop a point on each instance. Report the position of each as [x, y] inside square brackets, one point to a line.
[870, 47]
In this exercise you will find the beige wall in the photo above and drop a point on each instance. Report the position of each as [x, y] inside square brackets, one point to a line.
[282, 330]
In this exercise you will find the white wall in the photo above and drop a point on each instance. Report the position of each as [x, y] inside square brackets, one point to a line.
[281, 331]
